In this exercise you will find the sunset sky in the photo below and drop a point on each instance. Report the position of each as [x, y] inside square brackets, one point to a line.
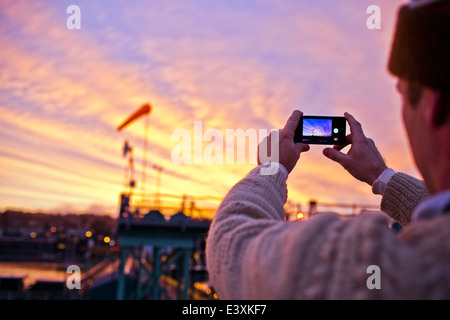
[230, 64]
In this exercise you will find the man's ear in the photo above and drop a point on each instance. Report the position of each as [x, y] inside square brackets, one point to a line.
[435, 111]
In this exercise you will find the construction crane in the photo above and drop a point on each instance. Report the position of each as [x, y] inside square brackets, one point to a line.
[144, 110]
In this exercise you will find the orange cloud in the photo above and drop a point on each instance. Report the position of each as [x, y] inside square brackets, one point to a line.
[64, 93]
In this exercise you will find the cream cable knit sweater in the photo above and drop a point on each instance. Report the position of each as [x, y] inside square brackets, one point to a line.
[252, 253]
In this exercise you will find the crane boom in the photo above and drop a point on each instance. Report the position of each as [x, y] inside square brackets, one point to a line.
[144, 109]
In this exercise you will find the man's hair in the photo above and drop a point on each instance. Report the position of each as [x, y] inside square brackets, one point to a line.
[444, 107]
[421, 48]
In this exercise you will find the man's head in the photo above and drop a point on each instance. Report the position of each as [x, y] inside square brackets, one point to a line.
[420, 57]
[426, 117]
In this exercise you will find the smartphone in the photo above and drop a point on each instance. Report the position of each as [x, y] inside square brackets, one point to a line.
[321, 130]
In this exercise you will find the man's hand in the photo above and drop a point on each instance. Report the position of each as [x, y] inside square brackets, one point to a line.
[362, 161]
[289, 151]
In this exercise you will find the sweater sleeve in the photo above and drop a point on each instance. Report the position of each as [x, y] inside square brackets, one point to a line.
[254, 204]
[401, 196]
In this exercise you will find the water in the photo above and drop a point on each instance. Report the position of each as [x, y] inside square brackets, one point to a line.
[33, 271]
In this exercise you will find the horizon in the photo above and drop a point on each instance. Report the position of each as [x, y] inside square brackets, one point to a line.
[228, 64]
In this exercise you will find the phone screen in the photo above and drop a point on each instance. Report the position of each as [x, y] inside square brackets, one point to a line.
[321, 130]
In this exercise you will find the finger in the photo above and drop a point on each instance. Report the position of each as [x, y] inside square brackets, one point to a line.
[302, 147]
[355, 127]
[292, 123]
[348, 140]
[334, 155]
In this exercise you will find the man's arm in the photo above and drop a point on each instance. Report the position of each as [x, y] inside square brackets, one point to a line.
[253, 206]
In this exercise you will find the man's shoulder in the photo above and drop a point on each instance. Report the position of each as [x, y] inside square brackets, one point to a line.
[429, 232]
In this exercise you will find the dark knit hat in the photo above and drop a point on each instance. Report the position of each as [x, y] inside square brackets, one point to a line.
[421, 47]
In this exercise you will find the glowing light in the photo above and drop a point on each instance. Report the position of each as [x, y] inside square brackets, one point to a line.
[106, 239]
[33, 235]
[88, 234]
[300, 216]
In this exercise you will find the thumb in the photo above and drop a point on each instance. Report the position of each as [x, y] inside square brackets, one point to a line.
[334, 155]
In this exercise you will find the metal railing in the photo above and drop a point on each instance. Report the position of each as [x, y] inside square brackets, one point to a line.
[168, 204]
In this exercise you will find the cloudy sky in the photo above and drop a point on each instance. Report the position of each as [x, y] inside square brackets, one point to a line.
[230, 64]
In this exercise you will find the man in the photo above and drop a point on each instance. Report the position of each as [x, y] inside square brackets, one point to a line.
[253, 254]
